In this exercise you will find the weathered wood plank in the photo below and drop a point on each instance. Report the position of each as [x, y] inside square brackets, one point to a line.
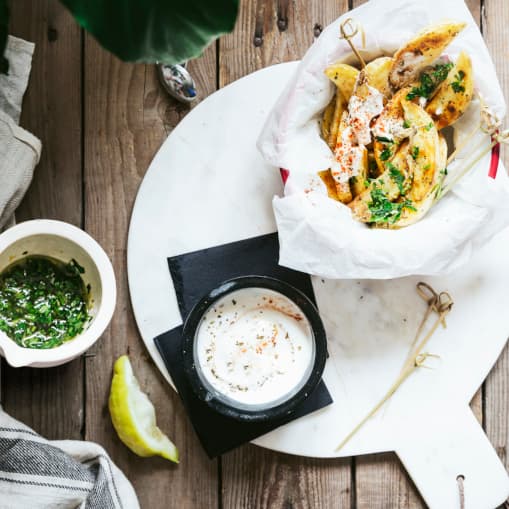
[127, 117]
[266, 33]
[381, 480]
[255, 477]
[495, 17]
[269, 32]
[50, 400]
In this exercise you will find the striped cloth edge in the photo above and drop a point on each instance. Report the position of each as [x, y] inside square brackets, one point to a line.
[38, 473]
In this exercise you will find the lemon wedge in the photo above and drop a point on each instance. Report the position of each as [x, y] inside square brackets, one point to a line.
[134, 417]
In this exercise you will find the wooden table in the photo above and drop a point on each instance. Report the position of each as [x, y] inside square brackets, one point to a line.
[101, 121]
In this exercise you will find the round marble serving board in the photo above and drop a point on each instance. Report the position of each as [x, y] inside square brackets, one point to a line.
[208, 185]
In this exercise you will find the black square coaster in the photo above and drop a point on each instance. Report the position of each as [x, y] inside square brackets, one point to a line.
[195, 274]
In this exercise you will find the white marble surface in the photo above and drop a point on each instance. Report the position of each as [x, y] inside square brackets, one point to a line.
[208, 185]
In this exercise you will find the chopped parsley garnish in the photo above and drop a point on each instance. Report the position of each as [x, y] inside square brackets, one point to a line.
[429, 81]
[427, 167]
[384, 211]
[383, 139]
[415, 153]
[456, 85]
[397, 177]
[386, 154]
[43, 302]
[406, 124]
[429, 126]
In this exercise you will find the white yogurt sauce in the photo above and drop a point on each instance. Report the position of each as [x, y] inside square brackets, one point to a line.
[350, 151]
[362, 112]
[254, 346]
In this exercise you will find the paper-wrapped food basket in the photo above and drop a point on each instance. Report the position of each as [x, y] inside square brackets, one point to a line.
[319, 235]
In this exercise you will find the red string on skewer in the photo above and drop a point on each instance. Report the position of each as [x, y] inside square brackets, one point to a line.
[495, 158]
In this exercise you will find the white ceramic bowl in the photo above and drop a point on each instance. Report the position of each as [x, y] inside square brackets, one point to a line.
[64, 242]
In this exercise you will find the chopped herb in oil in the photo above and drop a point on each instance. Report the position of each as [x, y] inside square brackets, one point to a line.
[43, 302]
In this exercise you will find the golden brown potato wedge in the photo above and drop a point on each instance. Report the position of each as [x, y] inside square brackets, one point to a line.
[358, 182]
[387, 127]
[336, 190]
[410, 215]
[373, 170]
[330, 184]
[328, 113]
[339, 109]
[422, 153]
[392, 182]
[377, 72]
[344, 77]
[454, 95]
[343, 191]
[420, 51]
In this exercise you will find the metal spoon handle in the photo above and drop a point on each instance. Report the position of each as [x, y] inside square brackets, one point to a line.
[177, 81]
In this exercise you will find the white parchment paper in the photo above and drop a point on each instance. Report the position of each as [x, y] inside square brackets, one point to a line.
[318, 235]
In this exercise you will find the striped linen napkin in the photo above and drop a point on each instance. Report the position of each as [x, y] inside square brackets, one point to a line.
[19, 150]
[37, 473]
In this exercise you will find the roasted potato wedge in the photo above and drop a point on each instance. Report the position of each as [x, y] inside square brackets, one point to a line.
[339, 108]
[420, 51]
[454, 95]
[327, 119]
[330, 184]
[343, 189]
[395, 179]
[344, 192]
[357, 184]
[419, 209]
[422, 153]
[344, 77]
[377, 72]
[390, 120]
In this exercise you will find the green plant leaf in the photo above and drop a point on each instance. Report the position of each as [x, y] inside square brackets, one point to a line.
[4, 25]
[167, 31]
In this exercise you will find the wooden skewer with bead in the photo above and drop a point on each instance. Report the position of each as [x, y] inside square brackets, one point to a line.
[490, 124]
[349, 29]
[441, 303]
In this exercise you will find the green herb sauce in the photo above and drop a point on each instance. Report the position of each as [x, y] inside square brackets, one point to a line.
[43, 302]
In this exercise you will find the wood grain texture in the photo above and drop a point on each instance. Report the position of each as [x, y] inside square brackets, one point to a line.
[381, 480]
[268, 32]
[256, 478]
[127, 117]
[495, 17]
[50, 400]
